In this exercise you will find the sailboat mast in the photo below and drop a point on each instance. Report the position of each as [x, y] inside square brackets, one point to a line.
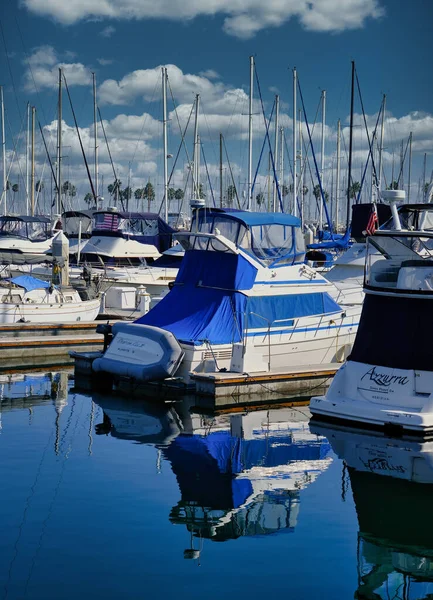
[410, 167]
[295, 206]
[196, 150]
[424, 191]
[95, 125]
[250, 135]
[349, 173]
[337, 191]
[301, 171]
[282, 160]
[4, 188]
[221, 170]
[322, 157]
[164, 135]
[59, 149]
[32, 177]
[27, 159]
[382, 135]
[277, 118]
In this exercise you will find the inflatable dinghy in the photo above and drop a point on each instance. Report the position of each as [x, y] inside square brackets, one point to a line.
[141, 352]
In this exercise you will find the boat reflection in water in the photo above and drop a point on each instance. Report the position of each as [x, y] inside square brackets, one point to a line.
[141, 421]
[392, 484]
[240, 474]
[21, 390]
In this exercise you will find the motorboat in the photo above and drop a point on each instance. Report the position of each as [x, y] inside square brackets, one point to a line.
[243, 301]
[392, 485]
[26, 299]
[125, 239]
[24, 239]
[387, 381]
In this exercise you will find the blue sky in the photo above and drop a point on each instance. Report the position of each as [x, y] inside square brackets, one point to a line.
[208, 43]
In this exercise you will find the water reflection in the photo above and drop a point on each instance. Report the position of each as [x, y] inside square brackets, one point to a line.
[241, 475]
[392, 484]
[238, 474]
[141, 421]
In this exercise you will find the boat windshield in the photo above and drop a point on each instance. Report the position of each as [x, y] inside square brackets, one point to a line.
[271, 243]
[413, 219]
[36, 231]
[71, 225]
[402, 260]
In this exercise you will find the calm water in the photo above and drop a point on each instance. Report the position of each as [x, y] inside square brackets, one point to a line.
[104, 498]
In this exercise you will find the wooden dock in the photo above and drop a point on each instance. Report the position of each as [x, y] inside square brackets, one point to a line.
[302, 382]
[24, 345]
[214, 390]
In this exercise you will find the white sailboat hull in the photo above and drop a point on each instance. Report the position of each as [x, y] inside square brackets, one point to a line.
[65, 312]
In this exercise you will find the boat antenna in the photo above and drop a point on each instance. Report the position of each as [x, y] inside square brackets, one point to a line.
[81, 142]
[349, 174]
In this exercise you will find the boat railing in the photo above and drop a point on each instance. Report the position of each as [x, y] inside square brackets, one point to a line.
[270, 324]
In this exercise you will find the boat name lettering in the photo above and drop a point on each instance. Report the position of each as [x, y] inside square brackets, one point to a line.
[382, 464]
[383, 379]
[129, 343]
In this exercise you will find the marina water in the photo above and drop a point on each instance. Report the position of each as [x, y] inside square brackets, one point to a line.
[104, 497]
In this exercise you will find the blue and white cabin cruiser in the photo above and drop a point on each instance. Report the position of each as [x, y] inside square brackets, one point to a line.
[24, 239]
[388, 378]
[126, 239]
[243, 301]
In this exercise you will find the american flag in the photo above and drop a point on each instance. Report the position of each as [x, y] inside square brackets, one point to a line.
[108, 222]
[373, 221]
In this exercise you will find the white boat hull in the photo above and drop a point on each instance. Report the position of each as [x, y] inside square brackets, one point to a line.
[65, 312]
[379, 397]
[311, 341]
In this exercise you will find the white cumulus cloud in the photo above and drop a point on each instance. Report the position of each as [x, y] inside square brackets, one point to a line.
[242, 18]
[41, 70]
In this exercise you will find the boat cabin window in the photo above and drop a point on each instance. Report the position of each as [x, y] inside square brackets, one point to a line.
[36, 231]
[277, 243]
[71, 225]
[218, 225]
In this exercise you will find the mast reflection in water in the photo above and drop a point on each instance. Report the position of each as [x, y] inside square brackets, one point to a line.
[392, 484]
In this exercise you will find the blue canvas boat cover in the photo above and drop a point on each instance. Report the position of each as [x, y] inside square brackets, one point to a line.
[30, 283]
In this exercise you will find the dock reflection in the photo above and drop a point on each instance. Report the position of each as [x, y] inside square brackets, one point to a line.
[392, 485]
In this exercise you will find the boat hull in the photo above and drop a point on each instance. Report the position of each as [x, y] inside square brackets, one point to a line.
[378, 397]
[311, 341]
[65, 312]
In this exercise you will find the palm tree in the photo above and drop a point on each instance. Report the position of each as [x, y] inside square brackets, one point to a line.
[15, 187]
[231, 194]
[260, 198]
[149, 193]
[317, 193]
[179, 194]
[171, 193]
[354, 190]
[88, 198]
[39, 186]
